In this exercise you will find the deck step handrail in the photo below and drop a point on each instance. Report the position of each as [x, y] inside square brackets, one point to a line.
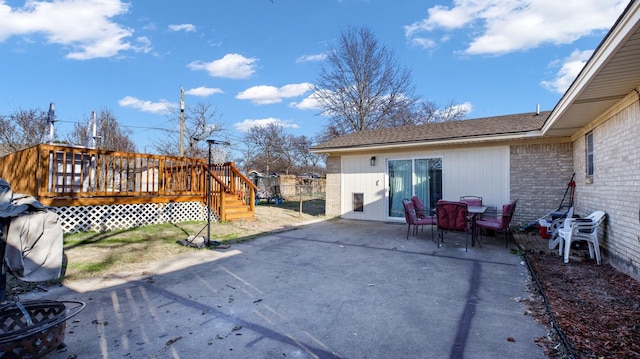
[237, 183]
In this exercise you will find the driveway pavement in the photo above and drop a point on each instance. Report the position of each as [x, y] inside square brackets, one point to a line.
[331, 289]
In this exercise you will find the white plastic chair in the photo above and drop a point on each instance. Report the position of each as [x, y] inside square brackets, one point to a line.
[555, 239]
[582, 229]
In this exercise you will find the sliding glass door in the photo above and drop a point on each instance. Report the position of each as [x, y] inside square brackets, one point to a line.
[420, 177]
[428, 174]
[400, 185]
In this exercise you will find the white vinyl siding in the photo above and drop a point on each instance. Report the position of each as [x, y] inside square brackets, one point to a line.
[480, 172]
[358, 176]
[474, 171]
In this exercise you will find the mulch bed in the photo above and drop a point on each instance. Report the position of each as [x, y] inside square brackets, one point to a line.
[596, 307]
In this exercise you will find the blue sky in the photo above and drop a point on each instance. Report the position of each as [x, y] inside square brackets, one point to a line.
[254, 60]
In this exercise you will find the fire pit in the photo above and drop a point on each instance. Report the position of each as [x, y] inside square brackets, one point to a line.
[32, 329]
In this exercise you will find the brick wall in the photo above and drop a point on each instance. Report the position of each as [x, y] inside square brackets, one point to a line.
[615, 188]
[332, 204]
[539, 177]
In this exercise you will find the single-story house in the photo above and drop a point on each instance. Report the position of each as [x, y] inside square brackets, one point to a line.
[593, 131]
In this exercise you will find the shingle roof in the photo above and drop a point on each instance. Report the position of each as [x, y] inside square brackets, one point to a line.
[452, 130]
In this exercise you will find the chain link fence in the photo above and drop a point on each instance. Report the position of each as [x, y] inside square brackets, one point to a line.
[300, 193]
[293, 188]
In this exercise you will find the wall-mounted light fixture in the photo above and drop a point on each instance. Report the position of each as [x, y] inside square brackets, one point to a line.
[372, 161]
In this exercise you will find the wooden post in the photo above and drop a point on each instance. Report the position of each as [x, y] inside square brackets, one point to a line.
[223, 214]
[300, 212]
[253, 200]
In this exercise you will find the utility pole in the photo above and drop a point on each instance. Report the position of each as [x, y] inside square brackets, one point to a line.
[51, 119]
[92, 133]
[181, 121]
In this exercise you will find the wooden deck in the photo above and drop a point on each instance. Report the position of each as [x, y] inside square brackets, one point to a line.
[59, 175]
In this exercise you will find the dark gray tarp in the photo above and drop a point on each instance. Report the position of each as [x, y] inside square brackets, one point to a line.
[33, 247]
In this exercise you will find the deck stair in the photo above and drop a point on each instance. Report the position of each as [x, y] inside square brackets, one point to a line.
[236, 210]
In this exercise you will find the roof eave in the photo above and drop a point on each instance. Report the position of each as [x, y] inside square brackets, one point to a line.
[603, 53]
[433, 143]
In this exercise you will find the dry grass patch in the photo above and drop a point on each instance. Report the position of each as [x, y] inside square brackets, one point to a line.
[97, 254]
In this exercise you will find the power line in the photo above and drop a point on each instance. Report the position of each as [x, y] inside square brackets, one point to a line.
[225, 133]
[126, 126]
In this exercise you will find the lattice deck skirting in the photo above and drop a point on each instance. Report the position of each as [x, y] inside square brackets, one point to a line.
[124, 216]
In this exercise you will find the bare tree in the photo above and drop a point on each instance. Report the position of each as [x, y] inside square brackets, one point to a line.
[269, 149]
[269, 143]
[305, 160]
[362, 86]
[110, 135]
[429, 112]
[247, 153]
[199, 125]
[23, 129]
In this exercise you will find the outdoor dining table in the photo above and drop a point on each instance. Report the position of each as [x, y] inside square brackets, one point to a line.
[474, 211]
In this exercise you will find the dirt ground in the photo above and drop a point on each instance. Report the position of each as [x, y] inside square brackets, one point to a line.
[596, 307]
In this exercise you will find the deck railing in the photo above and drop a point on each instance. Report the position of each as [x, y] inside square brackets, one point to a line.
[72, 176]
[235, 182]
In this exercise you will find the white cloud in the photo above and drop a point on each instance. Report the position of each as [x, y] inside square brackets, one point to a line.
[163, 106]
[503, 26]
[311, 58]
[263, 94]
[145, 44]
[443, 17]
[232, 66]
[464, 107]
[423, 42]
[310, 102]
[203, 91]
[571, 67]
[182, 27]
[86, 27]
[246, 125]
[149, 26]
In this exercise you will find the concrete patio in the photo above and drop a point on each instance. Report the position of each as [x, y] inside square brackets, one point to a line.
[331, 289]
